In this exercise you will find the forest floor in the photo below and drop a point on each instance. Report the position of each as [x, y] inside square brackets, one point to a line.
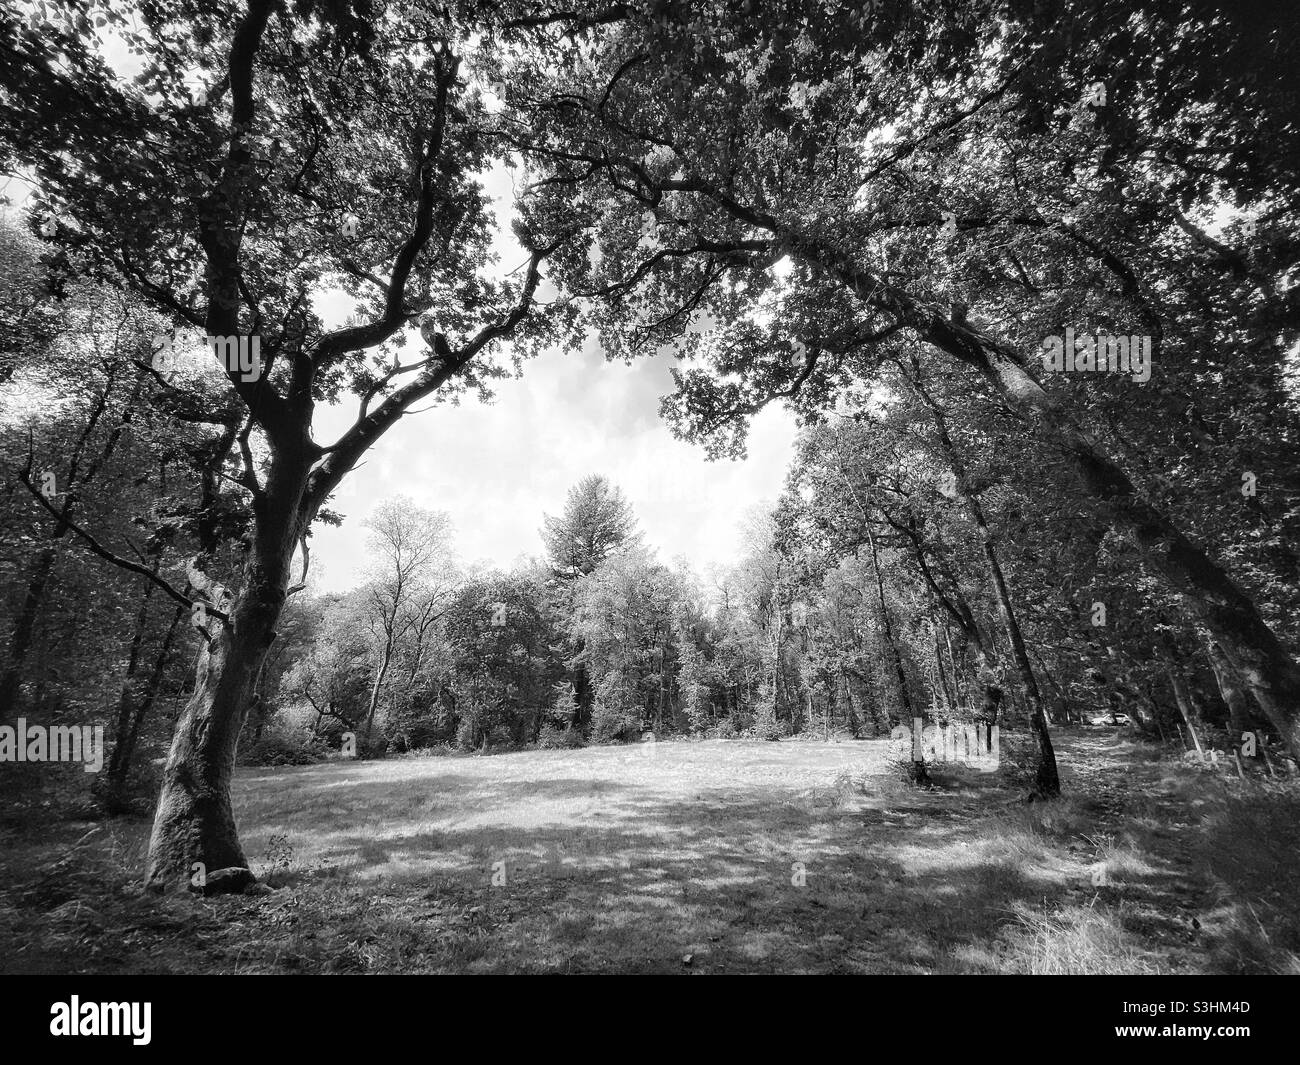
[693, 857]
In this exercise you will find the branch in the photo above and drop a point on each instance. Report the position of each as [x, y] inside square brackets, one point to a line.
[220, 236]
[249, 478]
[342, 455]
[352, 338]
[943, 127]
[306, 564]
[104, 553]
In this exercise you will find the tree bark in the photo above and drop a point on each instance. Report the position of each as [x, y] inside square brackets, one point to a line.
[1183, 700]
[194, 823]
[385, 660]
[1233, 697]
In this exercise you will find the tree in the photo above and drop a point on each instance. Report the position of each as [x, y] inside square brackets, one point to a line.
[29, 313]
[411, 585]
[596, 521]
[504, 669]
[623, 620]
[274, 126]
[331, 675]
[100, 441]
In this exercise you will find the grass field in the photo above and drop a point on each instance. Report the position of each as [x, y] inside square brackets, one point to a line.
[718, 856]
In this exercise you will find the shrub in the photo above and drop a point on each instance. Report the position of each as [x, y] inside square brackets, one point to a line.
[441, 750]
[133, 796]
[1017, 759]
[557, 739]
[284, 742]
[1252, 846]
[768, 727]
[500, 738]
[565, 709]
[468, 733]
[723, 730]
[906, 771]
[610, 723]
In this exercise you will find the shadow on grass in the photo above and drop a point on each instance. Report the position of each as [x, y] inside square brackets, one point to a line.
[586, 875]
[735, 858]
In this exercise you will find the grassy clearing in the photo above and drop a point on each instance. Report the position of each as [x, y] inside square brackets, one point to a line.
[721, 856]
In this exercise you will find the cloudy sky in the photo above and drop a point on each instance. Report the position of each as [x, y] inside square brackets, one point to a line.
[496, 469]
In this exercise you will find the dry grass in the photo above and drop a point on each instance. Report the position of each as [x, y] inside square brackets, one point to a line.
[1076, 941]
[721, 856]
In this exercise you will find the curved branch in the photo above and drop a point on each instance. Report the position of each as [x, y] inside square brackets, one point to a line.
[109, 556]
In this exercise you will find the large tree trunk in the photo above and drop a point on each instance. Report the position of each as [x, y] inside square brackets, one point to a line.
[194, 823]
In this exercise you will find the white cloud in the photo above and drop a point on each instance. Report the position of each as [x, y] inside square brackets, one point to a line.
[497, 469]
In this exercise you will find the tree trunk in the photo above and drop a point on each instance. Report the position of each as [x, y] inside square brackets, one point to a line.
[854, 700]
[1062, 703]
[992, 702]
[959, 610]
[20, 641]
[919, 774]
[194, 822]
[384, 662]
[1185, 706]
[119, 767]
[1047, 779]
[119, 762]
[582, 694]
[1233, 697]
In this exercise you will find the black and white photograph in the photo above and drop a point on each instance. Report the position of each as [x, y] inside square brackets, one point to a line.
[675, 487]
